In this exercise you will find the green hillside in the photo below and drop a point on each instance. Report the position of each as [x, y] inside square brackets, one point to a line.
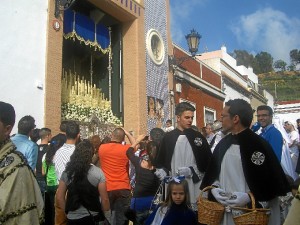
[286, 84]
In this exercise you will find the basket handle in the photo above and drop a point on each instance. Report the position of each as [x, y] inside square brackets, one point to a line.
[252, 199]
[204, 190]
[252, 203]
[211, 187]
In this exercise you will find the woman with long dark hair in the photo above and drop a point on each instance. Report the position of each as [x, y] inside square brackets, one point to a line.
[146, 182]
[87, 198]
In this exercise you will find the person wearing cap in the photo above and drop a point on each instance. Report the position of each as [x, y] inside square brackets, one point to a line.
[293, 143]
[21, 199]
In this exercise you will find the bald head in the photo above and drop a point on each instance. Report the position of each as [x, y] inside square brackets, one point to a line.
[118, 135]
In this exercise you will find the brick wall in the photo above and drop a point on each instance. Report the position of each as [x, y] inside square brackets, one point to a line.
[201, 99]
[195, 93]
[134, 71]
[211, 76]
[53, 72]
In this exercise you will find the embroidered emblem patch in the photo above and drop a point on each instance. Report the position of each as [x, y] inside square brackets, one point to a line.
[7, 161]
[258, 158]
[198, 141]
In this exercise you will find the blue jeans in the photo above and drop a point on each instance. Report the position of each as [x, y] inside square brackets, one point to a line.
[119, 202]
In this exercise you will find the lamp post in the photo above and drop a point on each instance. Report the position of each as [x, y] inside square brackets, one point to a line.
[193, 40]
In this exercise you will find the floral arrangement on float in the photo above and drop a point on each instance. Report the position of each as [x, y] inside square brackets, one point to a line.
[82, 101]
[83, 114]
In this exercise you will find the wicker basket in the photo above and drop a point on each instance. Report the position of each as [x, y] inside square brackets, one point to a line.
[209, 212]
[252, 216]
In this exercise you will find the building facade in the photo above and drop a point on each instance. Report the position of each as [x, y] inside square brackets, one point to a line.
[197, 83]
[287, 111]
[35, 59]
[157, 36]
[237, 81]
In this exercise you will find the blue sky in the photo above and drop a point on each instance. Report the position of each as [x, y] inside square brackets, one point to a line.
[252, 25]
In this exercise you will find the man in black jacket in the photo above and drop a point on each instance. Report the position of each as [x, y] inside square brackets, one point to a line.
[244, 162]
[184, 151]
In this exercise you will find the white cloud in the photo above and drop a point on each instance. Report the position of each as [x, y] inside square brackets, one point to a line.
[181, 13]
[269, 30]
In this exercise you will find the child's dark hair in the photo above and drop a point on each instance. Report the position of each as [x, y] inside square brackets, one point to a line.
[168, 202]
[51, 150]
[151, 150]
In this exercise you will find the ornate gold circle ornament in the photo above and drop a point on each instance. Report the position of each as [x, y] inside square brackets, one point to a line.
[155, 46]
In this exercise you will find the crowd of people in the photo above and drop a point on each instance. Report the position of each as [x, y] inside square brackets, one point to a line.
[149, 179]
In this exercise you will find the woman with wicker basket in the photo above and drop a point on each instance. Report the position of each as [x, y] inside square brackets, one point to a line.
[244, 163]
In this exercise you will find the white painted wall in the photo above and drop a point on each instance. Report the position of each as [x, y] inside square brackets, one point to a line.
[23, 52]
[228, 58]
[288, 112]
[292, 117]
[214, 63]
[248, 72]
[233, 94]
[234, 76]
[270, 99]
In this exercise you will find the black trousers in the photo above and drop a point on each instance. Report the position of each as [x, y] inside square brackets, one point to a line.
[88, 220]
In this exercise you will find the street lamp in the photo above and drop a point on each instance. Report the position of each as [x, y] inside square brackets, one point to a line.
[193, 40]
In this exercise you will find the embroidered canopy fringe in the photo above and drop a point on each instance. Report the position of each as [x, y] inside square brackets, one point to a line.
[84, 29]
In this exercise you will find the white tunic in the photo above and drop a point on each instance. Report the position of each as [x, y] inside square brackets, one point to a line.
[183, 156]
[232, 179]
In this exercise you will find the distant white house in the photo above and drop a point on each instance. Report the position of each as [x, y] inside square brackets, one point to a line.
[238, 81]
[234, 83]
[287, 110]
